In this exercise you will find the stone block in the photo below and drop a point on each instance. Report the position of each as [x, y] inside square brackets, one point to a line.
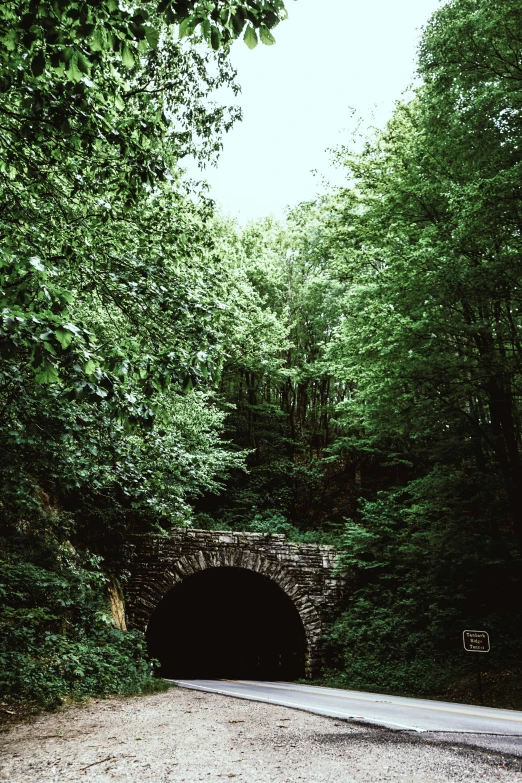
[305, 572]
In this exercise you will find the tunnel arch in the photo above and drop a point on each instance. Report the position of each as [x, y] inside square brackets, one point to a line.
[227, 622]
[154, 590]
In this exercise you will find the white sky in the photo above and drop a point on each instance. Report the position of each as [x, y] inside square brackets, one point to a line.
[331, 56]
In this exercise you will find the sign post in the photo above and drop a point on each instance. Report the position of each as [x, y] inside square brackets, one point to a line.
[477, 641]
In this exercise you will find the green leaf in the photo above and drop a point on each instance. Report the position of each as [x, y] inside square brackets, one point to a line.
[266, 36]
[250, 37]
[205, 29]
[83, 64]
[48, 374]
[73, 72]
[64, 337]
[127, 57]
[66, 54]
[89, 367]
[238, 22]
[10, 40]
[59, 70]
[186, 28]
[152, 35]
[97, 40]
[215, 38]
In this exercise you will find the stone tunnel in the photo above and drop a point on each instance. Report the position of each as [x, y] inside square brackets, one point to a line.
[225, 604]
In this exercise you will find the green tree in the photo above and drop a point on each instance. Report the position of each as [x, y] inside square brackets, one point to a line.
[428, 235]
[116, 311]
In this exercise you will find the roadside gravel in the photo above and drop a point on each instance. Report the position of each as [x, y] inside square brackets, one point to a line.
[184, 736]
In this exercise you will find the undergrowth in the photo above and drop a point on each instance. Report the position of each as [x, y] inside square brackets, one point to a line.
[57, 639]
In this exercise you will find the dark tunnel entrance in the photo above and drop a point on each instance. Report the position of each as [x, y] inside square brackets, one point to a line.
[227, 623]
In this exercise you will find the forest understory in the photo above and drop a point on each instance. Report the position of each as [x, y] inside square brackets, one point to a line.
[351, 375]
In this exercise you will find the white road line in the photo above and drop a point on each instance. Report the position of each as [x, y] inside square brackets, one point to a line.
[316, 710]
[375, 701]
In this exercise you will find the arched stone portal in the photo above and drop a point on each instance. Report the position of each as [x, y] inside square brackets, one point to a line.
[228, 623]
[305, 573]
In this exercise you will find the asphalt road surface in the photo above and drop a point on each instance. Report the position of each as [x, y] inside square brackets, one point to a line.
[486, 727]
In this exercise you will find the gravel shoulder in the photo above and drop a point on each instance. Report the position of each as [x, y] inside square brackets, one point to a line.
[183, 736]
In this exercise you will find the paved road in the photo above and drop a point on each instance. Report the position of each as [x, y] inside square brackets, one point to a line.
[483, 726]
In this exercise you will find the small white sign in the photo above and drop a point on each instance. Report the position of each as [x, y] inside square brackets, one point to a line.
[476, 641]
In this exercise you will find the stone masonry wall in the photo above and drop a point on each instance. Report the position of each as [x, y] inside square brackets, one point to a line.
[306, 573]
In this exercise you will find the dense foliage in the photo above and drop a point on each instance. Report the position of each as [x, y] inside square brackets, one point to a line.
[391, 420]
[116, 310]
[434, 214]
[353, 375]
[57, 636]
